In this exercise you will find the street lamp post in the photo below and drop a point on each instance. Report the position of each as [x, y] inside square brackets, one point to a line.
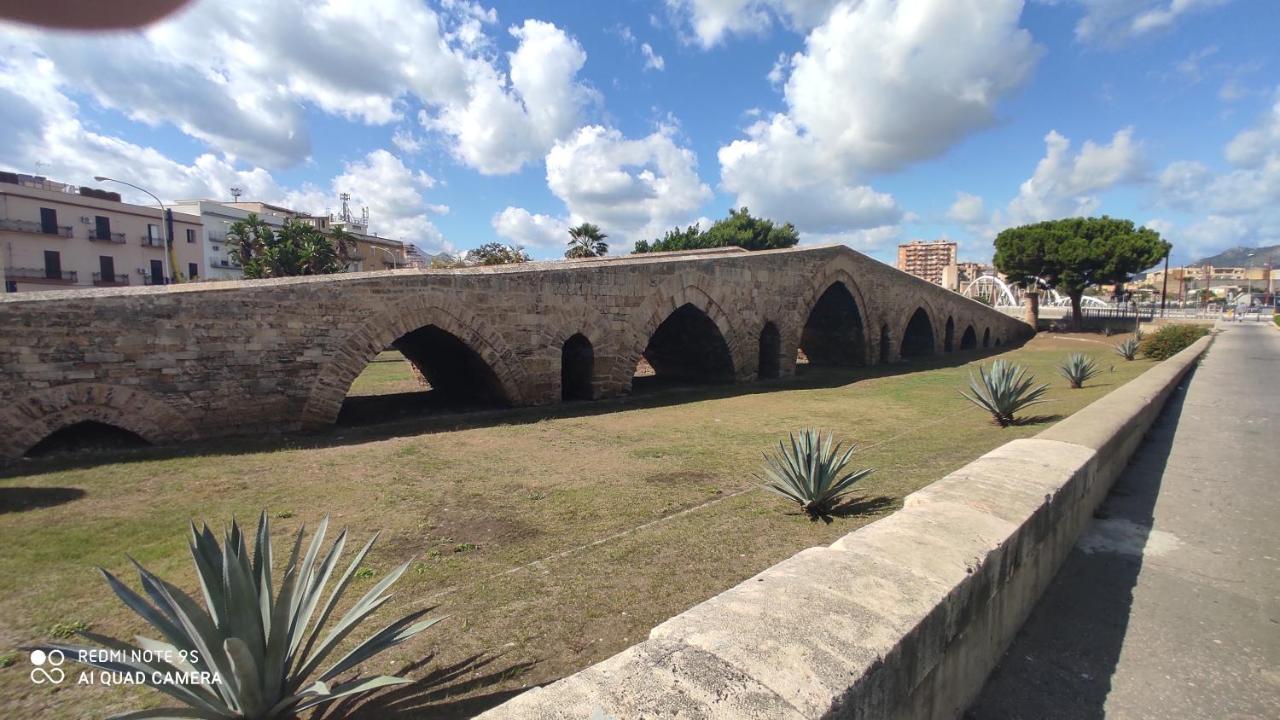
[1249, 278]
[164, 223]
[395, 264]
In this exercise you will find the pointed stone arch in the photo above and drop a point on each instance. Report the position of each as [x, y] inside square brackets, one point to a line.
[363, 343]
[949, 338]
[986, 337]
[969, 340]
[37, 415]
[840, 271]
[834, 330]
[742, 348]
[919, 338]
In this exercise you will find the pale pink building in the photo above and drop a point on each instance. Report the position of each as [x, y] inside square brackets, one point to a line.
[55, 236]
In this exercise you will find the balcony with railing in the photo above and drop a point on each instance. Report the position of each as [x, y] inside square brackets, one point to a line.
[155, 242]
[45, 275]
[34, 228]
[223, 263]
[148, 280]
[109, 237]
[109, 280]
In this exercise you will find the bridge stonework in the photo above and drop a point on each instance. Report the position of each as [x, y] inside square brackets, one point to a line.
[250, 357]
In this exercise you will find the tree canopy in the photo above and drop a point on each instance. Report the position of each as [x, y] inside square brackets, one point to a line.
[1072, 254]
[740, 229]
[586, 241]
[496, 253]
[295, 249]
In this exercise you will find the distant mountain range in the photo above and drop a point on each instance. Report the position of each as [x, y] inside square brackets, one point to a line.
[1239, 256]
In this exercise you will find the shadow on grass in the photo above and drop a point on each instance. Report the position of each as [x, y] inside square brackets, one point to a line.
[432, 695]
[1037, 420]
[383, 417]
[22, 499]
[855, 507]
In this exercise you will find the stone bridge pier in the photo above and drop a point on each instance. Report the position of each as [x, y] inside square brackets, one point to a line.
[179, 363]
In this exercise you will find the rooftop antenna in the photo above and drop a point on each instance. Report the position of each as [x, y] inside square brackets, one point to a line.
[235, 194]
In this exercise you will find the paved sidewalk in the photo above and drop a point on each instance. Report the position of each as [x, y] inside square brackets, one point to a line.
[1169, 605]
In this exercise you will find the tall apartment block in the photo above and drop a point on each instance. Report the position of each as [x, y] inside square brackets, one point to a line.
[928, 260]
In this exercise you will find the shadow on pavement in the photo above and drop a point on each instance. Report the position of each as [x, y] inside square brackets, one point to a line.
[1060, 664]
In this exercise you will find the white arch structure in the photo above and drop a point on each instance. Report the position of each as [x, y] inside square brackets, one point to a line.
[1002, 294]
[999, 291]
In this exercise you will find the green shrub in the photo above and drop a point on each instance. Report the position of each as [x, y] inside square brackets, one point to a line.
[811, 471]
[1078, 368]
[255, 634]
[1128, 349]
[1004, 391]
[8, 658]
[1170, 340]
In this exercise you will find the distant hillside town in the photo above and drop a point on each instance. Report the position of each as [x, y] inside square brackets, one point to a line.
[56, 236]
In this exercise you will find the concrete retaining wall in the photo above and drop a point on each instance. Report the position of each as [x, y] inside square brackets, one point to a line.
[903, 618]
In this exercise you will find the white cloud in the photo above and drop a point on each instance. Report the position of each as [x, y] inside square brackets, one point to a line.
[652, 60]
[527, 229]
[632, 188]
[502, 126]
[224, 76]
[1251, 188]
[393, 193]
[1111, 21]
[711, 21]
[879, 86]
[967, 209]
[1064, 183]
[407, 143]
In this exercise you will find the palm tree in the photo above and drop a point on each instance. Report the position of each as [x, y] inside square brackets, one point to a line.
[249, 239]
[586, 241]
[345, 245]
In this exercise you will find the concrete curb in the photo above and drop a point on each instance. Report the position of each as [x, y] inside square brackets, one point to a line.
[903, 618]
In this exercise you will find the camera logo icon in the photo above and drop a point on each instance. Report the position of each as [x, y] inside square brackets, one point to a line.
[47, 668]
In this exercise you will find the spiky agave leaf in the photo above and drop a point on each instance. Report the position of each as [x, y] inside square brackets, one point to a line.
[1128, 349]
[254, 635]
[1004, 390]
[811, 471]
[1078, 368]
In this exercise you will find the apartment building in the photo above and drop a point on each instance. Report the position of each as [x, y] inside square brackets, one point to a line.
[929, 260]
[218, 218]
[55, 236]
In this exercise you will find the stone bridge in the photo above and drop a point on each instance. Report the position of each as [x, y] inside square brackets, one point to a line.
[215, 359]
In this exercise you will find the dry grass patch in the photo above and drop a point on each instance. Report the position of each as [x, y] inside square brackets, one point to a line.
[552, 537]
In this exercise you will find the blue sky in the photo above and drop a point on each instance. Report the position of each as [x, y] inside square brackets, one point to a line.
[868, 122]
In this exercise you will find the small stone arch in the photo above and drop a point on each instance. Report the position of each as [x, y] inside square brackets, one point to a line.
[769, 364]
[948, 342]
[986, 337]
[39, 414]
[969, 340]
[419, 314]
[886, 345]
[577, 368]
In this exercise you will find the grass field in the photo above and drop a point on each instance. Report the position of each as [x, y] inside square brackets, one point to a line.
[552, 538]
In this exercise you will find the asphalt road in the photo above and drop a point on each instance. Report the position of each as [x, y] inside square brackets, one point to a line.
[1169, 605]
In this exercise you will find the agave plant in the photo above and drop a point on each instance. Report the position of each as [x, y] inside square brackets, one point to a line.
[1078, 368]
[252, 652]
[1128, 349]
[811, 470]
[1004, 390]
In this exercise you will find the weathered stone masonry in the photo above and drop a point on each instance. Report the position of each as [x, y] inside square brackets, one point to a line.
[215, 359]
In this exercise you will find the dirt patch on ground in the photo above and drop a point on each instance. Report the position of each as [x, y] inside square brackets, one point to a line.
[680, 477]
